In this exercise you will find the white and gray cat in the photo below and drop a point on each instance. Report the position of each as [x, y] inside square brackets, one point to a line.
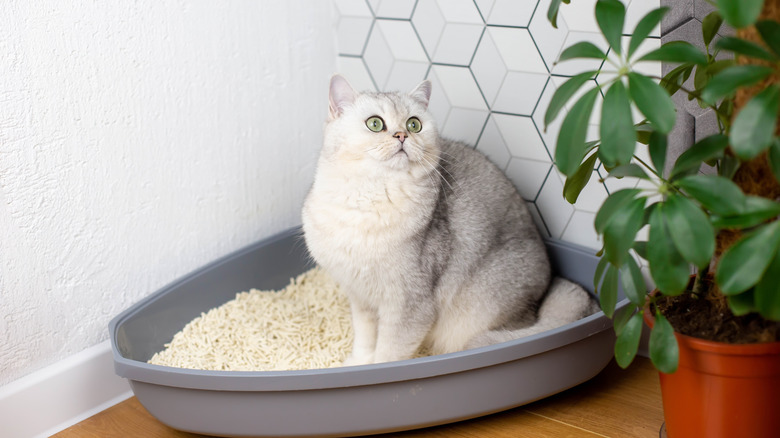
[432, 244]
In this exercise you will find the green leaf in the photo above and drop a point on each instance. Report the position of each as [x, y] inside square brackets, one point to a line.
[744, 263]
[742, 304]
[644, 27]
[690, 229]
[564, 93]
[756, 211]
[667, 267]
[633, 282]
[610, 15]
[621, 317]
[774, 158]
[597, 276]
[740, 13]
[676, 77]
[630, 169]
[770, 33]
[744, 47]
[583, 49]
[575, 183]
[652, 101]
[710, 26]
[614, 202]
[726, 82]
[657, 149]
[663, 346]
[620, 233]
[608, 292]
[627, 342]
[643, 132]
[706, 149]
[640, 246]
[570, 147]
[717, 194]
[618, 137]
[753, 129]
[676, 51]
[767, 291]
[552, 12]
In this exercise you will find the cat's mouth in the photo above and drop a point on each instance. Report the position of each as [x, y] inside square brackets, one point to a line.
[400, 157]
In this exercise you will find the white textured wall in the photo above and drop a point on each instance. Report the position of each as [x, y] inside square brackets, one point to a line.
[139, 141]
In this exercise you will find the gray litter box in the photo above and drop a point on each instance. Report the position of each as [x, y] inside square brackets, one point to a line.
[344, 401]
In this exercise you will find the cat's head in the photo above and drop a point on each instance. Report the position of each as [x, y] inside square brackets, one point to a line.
[391, 131]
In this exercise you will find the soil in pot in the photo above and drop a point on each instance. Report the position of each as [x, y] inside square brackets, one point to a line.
[709, 317]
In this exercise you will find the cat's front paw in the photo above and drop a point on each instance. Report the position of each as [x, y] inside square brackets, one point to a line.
[353, 360]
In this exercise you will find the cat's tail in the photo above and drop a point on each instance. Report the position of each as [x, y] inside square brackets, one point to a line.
[565, 302]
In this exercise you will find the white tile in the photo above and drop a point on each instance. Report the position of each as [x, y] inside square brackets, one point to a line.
[549, 39]
[581, 232]
[540, 225]
[521, 137]
[355, 71]
[459, 86]
[575, 66]
[404, 43]
[429, 23]
[491, 143]
[488, 67]
[459, 11]
[374, 5]
[549, 135]
[352, 34]
[650, 68]
[555, 211]
[457, 43]
[517, 49]
[635, 11]
[485, 6]
[352, 8]
[528, 176]
[439, 105]
[394, 8]
[580, 15]
[378, 57]
[464, 124]
[520, 92]
[405, 75]
[512, 12]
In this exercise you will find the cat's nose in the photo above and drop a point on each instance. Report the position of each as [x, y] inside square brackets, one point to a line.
[400, 136]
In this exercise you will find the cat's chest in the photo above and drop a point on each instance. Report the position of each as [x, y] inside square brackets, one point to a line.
[364, 222]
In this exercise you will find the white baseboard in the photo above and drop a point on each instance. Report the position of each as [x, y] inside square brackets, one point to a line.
[61, 395]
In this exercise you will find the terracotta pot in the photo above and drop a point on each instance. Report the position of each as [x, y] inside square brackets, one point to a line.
[722, 390]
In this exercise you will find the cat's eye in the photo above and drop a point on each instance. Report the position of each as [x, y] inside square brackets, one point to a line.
[413, 124]
[375, 123]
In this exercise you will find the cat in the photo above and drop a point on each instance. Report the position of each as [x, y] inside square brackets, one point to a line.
[430, 241]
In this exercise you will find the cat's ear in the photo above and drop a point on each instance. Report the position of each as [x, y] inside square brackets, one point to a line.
[341, 96]
[422, 93]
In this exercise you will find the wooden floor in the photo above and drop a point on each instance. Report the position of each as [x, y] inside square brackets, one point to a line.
[616, 403]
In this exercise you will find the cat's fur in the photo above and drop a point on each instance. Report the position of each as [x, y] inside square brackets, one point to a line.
[430, 241]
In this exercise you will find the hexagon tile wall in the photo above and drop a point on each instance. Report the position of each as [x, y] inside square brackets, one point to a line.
[492, 64]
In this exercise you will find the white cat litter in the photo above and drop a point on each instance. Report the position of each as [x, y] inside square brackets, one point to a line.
[304, 326]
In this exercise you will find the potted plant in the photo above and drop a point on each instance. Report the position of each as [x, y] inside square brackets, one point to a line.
[721, 224]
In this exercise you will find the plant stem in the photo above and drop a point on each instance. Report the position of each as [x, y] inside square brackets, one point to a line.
[699, 285]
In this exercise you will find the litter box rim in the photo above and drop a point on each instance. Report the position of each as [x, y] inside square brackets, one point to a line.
[341, 377]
